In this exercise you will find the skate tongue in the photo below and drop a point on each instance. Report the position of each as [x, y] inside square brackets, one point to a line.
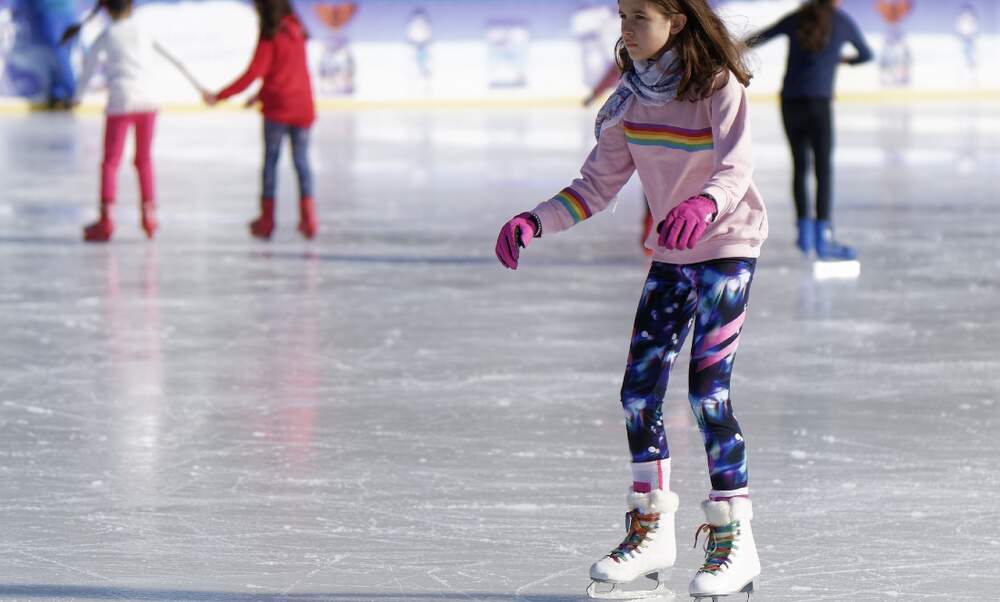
[718, 545]
[637, 525]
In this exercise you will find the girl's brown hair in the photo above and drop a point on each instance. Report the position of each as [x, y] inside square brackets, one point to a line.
[704, 48]
[271, 13]
[114, 7]
[815, 24]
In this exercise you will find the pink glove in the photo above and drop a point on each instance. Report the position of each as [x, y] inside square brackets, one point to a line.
[684, 225]
[516, 233]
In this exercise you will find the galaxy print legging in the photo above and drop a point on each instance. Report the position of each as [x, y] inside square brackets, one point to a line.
[711, 296]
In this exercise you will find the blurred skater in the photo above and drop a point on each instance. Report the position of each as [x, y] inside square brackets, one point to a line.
[49, 19]
[126, 53]
[287, 104]
[816, 33]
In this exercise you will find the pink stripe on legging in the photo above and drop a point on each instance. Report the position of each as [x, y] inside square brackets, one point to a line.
[115, 129]
[721, 334]
[718, 356]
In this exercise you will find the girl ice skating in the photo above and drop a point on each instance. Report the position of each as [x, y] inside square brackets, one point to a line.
[126, 52]
[287, 104]
[679, 118]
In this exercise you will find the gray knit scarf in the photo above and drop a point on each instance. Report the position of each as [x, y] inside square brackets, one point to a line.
[652, 83]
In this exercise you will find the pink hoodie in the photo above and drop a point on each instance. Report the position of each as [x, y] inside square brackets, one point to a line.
[680, 150]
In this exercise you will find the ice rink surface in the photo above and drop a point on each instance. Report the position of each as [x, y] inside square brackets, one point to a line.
[385, 414]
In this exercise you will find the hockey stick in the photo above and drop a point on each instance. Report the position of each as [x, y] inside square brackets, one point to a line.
[184, 70]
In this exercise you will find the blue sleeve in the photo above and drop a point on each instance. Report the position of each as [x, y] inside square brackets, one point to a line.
[857, 39]
[786, 26]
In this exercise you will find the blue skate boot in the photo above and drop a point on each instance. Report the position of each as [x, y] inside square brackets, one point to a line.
[828, 249]
[806, 240]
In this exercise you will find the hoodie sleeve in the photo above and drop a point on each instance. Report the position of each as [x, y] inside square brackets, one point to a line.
[91, 60]
[605, 171]
[732, 146]
[259, 67]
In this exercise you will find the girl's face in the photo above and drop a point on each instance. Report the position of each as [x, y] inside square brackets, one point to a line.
[646, 29]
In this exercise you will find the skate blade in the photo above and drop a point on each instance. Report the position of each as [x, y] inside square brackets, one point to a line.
[836, 270]
[747, 589]
[660, 592]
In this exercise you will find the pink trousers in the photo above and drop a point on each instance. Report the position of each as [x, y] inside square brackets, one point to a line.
[115, 129]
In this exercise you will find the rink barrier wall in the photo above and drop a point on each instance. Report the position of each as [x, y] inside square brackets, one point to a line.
[885, 97]
[473, 52]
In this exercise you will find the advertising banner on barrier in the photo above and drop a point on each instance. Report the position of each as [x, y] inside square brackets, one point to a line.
[413, 50]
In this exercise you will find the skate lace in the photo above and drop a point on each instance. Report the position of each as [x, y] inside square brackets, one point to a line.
[718, 545]
[639, 526]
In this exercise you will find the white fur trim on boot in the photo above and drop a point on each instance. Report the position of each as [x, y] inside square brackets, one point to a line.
[722, 512]
[731, 561]
[653, 502]
[649, 547]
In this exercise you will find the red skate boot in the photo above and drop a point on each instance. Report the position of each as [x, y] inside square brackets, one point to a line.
[307, 218]
[101, 230]
[263, 226]
[149, 221]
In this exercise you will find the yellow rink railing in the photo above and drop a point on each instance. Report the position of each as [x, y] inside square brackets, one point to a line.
[877, 97]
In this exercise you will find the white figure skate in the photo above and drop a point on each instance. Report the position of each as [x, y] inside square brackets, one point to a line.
[649, 549]
[731, 562]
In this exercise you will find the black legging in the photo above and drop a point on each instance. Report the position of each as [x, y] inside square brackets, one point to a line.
[809, 125]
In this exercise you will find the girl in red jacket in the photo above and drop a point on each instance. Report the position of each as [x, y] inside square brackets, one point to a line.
[287, 104]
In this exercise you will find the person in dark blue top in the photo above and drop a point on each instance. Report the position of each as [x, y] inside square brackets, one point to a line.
[817, 31]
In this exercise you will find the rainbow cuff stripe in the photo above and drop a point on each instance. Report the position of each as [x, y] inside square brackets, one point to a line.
[645, 134]
[574, 204]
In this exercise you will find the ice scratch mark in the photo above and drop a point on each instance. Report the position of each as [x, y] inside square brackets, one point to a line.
[519, 597]
[327, 564]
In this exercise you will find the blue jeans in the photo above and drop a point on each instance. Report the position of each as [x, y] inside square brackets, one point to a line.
[712, 297]
[274, 133]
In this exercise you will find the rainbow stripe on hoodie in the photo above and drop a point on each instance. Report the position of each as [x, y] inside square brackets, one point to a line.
[574, 204]
[668, 136]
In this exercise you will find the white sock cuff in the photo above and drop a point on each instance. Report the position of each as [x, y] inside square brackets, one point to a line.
[655, 473]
